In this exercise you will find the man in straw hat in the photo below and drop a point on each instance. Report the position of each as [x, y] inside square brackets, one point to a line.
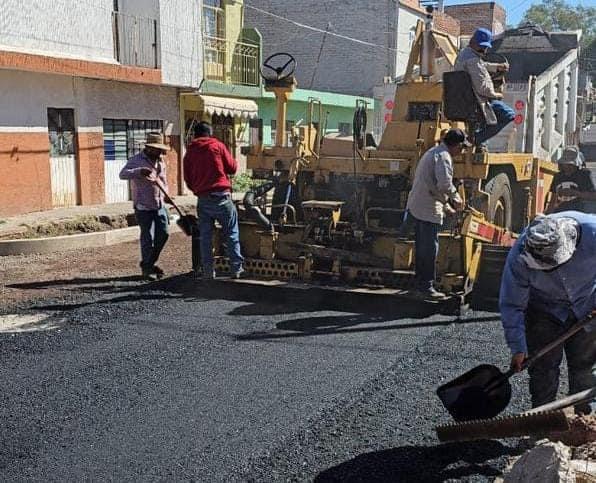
[145, 171]
[549, 283]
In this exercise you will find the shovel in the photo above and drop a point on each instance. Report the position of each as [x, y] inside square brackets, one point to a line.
[485, 391]
[185, 222]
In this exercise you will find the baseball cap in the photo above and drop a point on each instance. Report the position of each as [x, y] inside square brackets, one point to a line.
[571, 155]
[456, 136]
[483, 37]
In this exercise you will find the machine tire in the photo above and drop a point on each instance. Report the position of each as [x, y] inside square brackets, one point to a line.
[485, 294]
[500, 204]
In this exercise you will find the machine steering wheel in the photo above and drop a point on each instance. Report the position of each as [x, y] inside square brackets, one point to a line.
[278, 67]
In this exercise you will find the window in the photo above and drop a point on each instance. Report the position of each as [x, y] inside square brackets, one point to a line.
[123, 138]
[344, 128]
[213, 19]
[61, 131]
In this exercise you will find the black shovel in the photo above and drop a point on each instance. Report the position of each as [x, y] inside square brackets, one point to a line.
[483, 392]
[185, 222]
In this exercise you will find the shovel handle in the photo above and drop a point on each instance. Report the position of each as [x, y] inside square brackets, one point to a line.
[163, 190]
[574, 329]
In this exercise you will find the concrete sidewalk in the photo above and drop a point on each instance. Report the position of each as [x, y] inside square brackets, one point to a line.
[18, 224]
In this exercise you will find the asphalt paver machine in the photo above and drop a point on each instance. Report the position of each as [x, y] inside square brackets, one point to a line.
[331, 209]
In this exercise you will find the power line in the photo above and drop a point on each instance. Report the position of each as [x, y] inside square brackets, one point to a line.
[316, 29]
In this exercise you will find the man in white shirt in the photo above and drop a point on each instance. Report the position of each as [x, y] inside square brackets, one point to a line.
[431, 190]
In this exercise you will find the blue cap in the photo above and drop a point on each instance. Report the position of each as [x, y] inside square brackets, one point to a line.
[483, 37]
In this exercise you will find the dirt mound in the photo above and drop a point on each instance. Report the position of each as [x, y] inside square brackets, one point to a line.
[74, 226]
[582, 430]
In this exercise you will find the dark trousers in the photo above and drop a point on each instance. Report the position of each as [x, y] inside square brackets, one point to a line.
[427, 248]
[154, 225]
[580, 352]
[504, 115]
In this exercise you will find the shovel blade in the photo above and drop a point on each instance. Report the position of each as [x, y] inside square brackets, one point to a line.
[186, 224]
[480, 393]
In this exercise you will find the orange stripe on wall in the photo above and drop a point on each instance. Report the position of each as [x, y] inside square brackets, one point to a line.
[24, 173]
[81, 68]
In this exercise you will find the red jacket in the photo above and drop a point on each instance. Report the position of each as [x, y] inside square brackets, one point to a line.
[207, 164]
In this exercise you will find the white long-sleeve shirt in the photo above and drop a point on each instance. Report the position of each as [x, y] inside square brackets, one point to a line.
[432, 186]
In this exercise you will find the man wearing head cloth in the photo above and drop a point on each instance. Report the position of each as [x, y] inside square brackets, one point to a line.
[549, 283]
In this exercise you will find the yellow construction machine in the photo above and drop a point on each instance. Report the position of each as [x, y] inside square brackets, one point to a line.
[338, 204]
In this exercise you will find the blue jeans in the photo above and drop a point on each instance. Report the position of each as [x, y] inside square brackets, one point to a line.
[154, 225]
[427, 248]
[213, 208]
[580, 352]
[504, 116]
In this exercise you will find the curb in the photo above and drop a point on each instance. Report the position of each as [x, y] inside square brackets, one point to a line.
[29, 246]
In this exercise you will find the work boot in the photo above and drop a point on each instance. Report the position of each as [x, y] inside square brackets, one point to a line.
[238, 274]
[149, 275]
[158, 271]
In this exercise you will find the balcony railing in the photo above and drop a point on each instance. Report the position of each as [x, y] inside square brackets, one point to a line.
[135, 40]
[231, 62]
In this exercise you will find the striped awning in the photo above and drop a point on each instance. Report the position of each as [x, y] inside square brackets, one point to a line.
[229, 106]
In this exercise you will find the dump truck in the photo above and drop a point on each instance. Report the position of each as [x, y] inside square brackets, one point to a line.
[338, 204]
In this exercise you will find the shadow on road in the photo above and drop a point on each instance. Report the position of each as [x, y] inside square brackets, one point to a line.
[345, 324]
[422, 463]
[360, 312]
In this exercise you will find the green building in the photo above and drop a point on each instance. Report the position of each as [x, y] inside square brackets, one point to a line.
[338, 112]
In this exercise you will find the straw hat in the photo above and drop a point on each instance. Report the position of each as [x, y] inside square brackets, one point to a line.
[156, 140]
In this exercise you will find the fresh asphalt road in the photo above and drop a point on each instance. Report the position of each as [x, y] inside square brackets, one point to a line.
[166, 385]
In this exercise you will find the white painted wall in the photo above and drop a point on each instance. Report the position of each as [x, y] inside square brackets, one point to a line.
[66, 28]
[25, 97]
[406, 24]
[181, 42]
[83, 30]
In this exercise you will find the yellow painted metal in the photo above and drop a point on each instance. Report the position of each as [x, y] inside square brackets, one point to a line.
[382, 246]
[282, 92]
[473, 264]
[267, 242]
[403, 255]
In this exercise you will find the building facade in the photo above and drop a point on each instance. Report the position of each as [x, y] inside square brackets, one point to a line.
[488, 15]
[232, 82]
[355, 46]
[337, 112]
[80, 85]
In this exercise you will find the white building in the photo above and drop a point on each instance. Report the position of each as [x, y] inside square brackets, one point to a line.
[80, 85]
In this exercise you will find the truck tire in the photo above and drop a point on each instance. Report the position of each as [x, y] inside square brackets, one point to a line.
[485, 295]
[500, 203]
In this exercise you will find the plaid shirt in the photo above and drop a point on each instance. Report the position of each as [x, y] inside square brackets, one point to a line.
[145, 194]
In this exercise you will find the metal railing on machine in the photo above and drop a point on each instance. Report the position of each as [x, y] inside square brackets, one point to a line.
[136, 40]
[231, 62]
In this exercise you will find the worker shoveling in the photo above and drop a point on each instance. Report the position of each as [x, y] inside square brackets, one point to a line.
[485, 391]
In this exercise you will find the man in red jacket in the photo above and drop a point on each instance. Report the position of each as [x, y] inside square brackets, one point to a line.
[207, 165]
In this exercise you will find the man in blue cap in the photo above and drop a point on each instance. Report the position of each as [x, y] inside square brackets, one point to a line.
[471, 60]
